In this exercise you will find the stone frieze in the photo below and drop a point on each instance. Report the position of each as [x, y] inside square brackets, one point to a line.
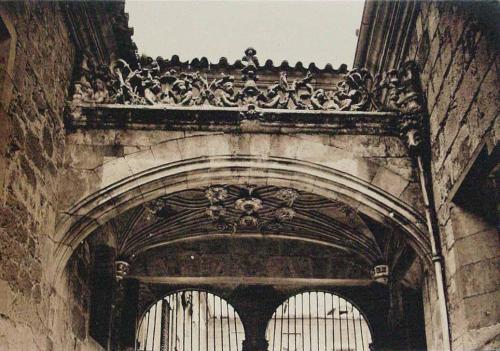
[156, 82]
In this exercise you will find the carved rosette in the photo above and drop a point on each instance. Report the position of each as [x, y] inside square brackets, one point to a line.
[287, 195]
[215, 212]
[216, 194]
[284, 214]
[156, 208]
[410, 130]
[248, 205]
[249, 220]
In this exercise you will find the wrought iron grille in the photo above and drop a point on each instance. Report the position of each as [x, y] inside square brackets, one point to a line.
[190, 320]
[318, 321]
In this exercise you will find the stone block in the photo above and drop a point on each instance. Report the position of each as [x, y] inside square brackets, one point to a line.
[466, 223]
[284, 146]
[114, 170]
[450, 262]
[482, 310]
[146, 138]
[360, 146]
[167, 152]
[258, 144]
[412, 196]
[479, 278]
[479, 246]
[6, 298]
[389, 182]
[142, 161]
[93, 137]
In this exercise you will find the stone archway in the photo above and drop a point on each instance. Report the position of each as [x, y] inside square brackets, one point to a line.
[190, 320]
[153, 182]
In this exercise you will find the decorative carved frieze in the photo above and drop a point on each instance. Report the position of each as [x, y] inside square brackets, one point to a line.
[157, 82]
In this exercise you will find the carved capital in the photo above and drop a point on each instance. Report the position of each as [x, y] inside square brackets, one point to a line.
[121, 270]
[381, 274]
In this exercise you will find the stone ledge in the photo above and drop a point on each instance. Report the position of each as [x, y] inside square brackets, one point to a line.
[209, 118]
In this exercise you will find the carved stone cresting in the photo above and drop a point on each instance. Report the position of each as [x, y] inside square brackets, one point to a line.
[156, 82]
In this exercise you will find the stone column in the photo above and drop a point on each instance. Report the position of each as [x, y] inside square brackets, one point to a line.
[256, 305]
[255, 345]
[124, 310]
[255, 331]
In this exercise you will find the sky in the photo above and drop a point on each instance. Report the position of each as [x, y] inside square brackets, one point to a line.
[309, 31]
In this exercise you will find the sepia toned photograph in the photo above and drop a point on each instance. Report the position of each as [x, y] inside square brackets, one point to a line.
[249, 175]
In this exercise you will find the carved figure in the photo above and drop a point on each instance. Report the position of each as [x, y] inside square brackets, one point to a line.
[403, 91]
[229, 97]
[181, 91]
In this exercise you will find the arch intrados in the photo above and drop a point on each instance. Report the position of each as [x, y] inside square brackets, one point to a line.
[96, 209]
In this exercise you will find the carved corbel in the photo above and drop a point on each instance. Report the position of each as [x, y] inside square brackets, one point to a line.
[404, 95]
[410, 130]
[121, 270]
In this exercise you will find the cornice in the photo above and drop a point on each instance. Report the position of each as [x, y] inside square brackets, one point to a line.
[237, 119]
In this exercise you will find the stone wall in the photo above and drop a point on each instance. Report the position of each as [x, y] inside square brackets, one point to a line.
[458, 56]
[34, 315]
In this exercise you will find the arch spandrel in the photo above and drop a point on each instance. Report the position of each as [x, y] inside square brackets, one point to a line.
[136, 160]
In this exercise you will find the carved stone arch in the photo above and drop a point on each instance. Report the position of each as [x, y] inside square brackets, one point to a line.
[154, 182]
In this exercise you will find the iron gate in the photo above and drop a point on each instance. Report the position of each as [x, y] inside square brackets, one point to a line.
[318, 321]
[188, 321]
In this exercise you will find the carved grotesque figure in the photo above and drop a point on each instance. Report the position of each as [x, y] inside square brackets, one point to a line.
[181, 91]
[228, 96]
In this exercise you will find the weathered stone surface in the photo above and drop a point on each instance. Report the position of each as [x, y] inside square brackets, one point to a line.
[461, 85]
[31, 158]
